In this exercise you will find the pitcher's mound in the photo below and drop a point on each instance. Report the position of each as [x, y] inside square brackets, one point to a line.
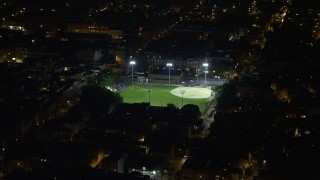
[192, 92]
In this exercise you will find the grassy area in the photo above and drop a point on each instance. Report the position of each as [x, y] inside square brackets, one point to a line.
[159, 96]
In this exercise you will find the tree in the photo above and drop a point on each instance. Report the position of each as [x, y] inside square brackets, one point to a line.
[191, 112]
[172, 106]
[98, 99]
[107, 80]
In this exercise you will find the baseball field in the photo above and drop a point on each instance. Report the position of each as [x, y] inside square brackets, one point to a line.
[161, 95]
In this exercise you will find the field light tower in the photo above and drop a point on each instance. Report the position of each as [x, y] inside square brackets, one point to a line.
[132, 63]
[205, 65]
[169, 66]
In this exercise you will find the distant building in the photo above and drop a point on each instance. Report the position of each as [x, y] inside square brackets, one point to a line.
[94, 29]
[10, 25]
[180, 63]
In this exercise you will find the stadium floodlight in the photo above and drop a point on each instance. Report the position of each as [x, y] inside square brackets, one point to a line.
[169, 66]
[205, 65]
[132, 63]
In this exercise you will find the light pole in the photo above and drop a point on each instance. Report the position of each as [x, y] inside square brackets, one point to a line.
[149, 91]
[169, 65]
[205, 65]
[197, 74]
[182, 92]
[132, 63]
[197, 79]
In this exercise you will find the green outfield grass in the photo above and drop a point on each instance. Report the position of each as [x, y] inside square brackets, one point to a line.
[159, 96]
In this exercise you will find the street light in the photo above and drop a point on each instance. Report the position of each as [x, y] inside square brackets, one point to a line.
[205, 65]
[182, 92]
[169, 65]
[132, 63]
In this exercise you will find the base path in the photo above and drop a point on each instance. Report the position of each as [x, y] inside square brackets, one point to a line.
[192, 92]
